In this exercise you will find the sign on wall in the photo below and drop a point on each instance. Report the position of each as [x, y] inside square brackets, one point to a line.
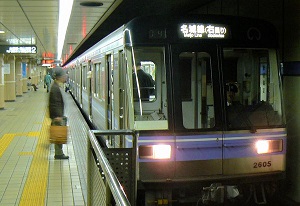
[18, 49]
[24, 73]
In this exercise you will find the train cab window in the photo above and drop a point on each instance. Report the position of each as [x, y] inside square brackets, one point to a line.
[146, 67]
[252, 86]
[144, 81]
[196, 90]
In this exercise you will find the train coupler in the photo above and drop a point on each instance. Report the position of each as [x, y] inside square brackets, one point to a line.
[216, 193]
[213, 193]
[261, 191]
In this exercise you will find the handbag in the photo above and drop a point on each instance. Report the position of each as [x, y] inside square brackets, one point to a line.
[58, 134]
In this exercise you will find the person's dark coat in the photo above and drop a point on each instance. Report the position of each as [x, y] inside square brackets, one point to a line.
[56, 102]
[146, 84]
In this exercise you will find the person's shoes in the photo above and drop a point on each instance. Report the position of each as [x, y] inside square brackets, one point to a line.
[61, 157]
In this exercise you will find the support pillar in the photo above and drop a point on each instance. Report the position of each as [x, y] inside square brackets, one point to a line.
[34, 72]
[9, 79]
[291, 99]
[2, 103]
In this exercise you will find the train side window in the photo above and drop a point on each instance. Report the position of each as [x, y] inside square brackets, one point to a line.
[97, 79]
[84, 76]
[102, 83]
[196, 90]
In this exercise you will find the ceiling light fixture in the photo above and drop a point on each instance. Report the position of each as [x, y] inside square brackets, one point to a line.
[2, 32]
[65, 8]
[91, 3]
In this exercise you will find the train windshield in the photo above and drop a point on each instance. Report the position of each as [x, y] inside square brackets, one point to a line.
[147, 66]
[196, 89]
[252, 87]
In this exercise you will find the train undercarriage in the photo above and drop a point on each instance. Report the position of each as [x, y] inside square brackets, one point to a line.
[208, 193]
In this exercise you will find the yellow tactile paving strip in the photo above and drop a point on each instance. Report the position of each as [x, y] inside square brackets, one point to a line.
[29, 174]
[36, 184]
[26, 153]
[5, 141]
[7, 138]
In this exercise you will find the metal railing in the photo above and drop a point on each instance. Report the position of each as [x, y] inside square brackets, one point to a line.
[116, 188]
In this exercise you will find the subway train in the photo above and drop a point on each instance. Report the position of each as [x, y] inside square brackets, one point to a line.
[211, 124]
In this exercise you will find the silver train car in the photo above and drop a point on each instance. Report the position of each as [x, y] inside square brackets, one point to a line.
[211, 127]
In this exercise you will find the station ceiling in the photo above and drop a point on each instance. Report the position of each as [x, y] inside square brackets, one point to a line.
[34, 22]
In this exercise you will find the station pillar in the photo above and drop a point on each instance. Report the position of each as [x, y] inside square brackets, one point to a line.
[9, 79]
[2, 103]
[34, 73]
[291, 85]
[291, 96]
[19, 83]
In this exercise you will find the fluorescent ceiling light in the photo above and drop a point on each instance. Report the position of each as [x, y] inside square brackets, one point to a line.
[2, 32]
[65, 8]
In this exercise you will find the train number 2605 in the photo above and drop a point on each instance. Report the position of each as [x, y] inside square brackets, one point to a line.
[262, 164]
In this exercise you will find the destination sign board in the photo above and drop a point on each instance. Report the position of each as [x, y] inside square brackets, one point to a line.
[203, 31]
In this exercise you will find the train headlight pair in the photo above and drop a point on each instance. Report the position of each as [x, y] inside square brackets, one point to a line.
[155, 151]
[268, 146]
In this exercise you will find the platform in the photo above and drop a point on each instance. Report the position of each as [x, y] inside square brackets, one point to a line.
[29, 174]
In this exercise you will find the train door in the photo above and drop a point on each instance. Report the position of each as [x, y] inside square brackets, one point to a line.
[85, 92]
[122, 95]
[110, 95]
[76, 81]
[89, 88]
[80, 86]
[198, 116]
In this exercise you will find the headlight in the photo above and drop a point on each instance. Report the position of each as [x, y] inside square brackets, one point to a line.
[268, 146]
[161, 151]
[155, 151]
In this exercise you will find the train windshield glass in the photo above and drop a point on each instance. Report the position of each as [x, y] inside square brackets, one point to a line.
[148, 85]
[252, 86]
[196, 87]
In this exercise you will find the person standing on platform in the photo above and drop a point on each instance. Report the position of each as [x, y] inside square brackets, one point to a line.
[56, 107]
[47, 81]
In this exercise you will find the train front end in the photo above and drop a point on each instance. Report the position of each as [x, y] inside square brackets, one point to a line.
[212, 125]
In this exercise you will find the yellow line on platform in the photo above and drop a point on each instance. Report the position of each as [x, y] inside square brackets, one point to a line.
[36, 184]
[7, 138]
[5, 141]
[33, 134]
